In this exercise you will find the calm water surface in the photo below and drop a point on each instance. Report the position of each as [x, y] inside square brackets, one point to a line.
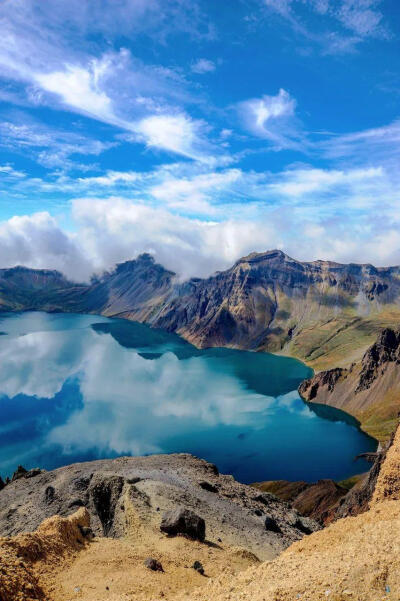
[80, 387]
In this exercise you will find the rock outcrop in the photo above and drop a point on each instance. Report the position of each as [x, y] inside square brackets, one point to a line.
[368, 389]
[130, 504]
[323, 312]
[183, 521]
[353, 558]
[113, 490]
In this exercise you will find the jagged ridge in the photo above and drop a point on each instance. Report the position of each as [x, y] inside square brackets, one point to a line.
[321, 312]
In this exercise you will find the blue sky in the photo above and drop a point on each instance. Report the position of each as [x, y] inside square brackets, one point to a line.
[198, 131]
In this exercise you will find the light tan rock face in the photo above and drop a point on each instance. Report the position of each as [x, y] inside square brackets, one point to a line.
[388, 483]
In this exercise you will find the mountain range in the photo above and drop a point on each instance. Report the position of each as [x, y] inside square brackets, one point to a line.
[321, 312]
[324, 313]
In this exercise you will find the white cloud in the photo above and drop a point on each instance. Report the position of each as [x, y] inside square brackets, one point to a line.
[116, 229]
[38, 241]
[359, 20]
[174, 133]
[111, 178]
[272, 118]
[9, 171]
[361, 17]
[198, 194]
[299, 182]
[61, 69]
[343, 216]
[50, 147]
[79, 89]
[203, 65]
[375, 144]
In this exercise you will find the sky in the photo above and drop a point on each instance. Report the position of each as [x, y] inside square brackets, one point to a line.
[198, 131]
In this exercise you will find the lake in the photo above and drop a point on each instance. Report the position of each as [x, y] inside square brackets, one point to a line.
[82, 387]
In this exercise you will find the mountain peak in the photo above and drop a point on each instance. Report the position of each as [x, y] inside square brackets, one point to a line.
[268, 255]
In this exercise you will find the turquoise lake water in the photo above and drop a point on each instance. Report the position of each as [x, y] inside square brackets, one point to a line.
[80, 387]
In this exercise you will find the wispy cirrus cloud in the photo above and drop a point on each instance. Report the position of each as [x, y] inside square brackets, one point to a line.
[9, 171]
[51, 59]
[358, 21]
[369, 145]
[50, 147]
[273, 118]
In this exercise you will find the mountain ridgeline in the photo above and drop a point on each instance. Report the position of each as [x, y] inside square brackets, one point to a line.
[322, 312]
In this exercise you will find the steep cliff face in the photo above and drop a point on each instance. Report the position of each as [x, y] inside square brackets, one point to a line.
[317, 500]
[368, 389]
[322, 312]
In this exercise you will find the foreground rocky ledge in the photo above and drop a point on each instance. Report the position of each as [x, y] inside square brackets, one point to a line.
[356, 558]
[132, 500]
[131, 503]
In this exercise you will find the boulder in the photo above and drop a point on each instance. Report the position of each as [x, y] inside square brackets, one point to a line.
[198, 566]
[272, 525]
[208, 486]
[183, 521]
[153, 564]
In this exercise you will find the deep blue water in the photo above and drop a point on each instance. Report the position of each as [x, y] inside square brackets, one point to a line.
[79, 387]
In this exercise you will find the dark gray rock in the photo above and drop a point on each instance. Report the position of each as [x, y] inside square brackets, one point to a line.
[208, 486]
[272, 525]
[49, 495]
[303, 525]
[153, 564]
[198, 566]
[183, 521]
[19, 473]
[105, 492]
[87, 532]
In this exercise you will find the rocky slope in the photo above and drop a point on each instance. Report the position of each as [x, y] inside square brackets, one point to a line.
[124, 500]
[369, 389]
[111, 489]
[354, 558]
[322, 312]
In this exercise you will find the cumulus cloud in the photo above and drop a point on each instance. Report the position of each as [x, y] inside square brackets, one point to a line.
[38, 241]
[116, 229]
